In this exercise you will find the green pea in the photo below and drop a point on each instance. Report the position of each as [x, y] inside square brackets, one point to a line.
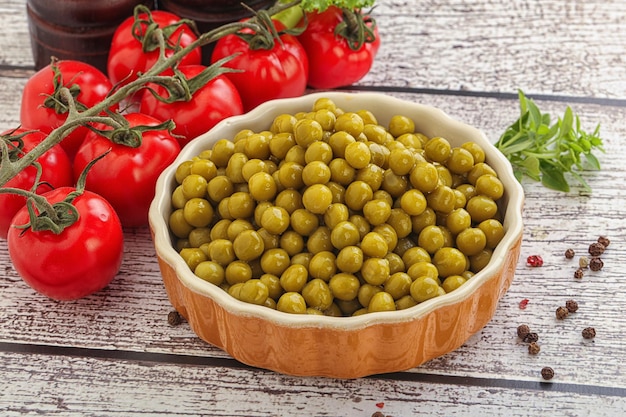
[254, 291]
[381, 301]
[291, 302]
[344, 286]
[424, 288]
[317, 294]
[210, 271]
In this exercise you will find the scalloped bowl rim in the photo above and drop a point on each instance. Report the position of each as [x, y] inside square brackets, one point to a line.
[160, 209]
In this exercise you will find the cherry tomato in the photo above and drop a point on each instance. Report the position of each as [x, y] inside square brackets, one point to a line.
[211, 103]
[127, 57]
[126, 176]
[267, 74]
[82, 259]
[332, 62]
[42, 108]
[56, 171]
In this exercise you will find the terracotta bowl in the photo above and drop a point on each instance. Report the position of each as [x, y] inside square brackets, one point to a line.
[341, 347]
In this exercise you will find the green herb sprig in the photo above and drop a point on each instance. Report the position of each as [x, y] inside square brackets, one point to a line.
[549, 152]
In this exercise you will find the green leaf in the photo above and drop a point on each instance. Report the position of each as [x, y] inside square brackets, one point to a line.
[576, 147]
[585, 145]
[582, 182]
[553, 178]
[567, 121]
[592, 161]
[536, 119]
[544, 130]
[531, 165]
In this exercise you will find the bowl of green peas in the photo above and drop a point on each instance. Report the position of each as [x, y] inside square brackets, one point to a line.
[338, 234]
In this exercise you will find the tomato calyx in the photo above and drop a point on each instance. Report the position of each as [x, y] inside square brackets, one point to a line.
[356, 28]
[266, 33]
[151, 36]
[122, 133]
[56, 217]
[58, 100]
[13, 144]
[11, 151]
[181, 88]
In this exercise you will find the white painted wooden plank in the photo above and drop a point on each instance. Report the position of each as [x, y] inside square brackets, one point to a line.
[551, 47]
[73, 386]
[574, 48]
[131, 314]
[10, 99]
[14, 35]
[557, 46]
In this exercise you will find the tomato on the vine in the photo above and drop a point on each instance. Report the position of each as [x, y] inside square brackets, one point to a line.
[335, 60]
[127, 175]
[209, 103]
[278, 72]
[44, 109]
[56, 171]
[133, 50]
[80, 260]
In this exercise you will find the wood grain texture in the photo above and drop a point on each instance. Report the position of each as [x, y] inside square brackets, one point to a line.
[72, 386]
[130, 315]
[563, 47]
[14, 36]
[570, 48]
[113, 353]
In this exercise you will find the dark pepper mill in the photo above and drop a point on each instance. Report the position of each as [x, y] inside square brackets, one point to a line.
[76, 29]
[210, 14]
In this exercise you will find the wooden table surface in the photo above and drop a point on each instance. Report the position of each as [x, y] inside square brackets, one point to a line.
[114, 353]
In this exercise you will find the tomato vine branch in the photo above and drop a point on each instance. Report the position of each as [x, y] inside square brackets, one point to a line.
[76, 118]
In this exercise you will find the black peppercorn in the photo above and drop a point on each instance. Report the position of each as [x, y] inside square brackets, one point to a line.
[589, 333]
[571, 305]
[596, 264]
[174, 318]
[561, 312]
[604, 241]
[596, 249]
[569, 253]
[579, 273]
[547, 373]
[522, 330]
[531, 337]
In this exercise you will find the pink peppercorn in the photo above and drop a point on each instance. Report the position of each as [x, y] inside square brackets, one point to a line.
[534, 261]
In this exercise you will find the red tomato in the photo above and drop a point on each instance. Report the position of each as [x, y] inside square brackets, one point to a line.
[127, 176]
[127, 57]
[56, 171]
[267, 74]
[38, 112]
[80, 260]
[332, 62]
[215, 101]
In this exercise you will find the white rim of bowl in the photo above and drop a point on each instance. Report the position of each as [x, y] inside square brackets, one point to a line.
[161, 207]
